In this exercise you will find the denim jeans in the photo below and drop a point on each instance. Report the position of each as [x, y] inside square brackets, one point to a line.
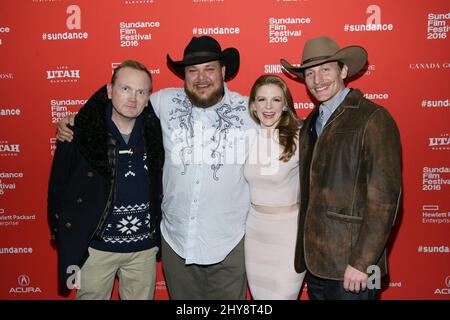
[325, 289]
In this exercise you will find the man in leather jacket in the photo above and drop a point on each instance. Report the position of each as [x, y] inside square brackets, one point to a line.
[350, 175]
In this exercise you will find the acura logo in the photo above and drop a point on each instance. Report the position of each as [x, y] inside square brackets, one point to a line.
[23, 280]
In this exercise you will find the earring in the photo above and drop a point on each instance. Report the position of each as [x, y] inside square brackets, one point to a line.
[285, 109]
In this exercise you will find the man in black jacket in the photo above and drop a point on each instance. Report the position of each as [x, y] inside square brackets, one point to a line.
[104, 191]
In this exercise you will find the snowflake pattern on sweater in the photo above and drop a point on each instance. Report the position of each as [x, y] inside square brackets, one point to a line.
[128, 224]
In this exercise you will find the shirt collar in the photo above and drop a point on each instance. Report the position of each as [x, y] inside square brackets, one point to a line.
[331, 105]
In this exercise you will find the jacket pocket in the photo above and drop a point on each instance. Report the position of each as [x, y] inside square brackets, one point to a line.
[343, 217]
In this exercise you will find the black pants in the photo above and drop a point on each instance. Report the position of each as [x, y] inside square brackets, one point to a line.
[324, 289]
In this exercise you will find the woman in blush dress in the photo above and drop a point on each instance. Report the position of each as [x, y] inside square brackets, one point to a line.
[272, 171]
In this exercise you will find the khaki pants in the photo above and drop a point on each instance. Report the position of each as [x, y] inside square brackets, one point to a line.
[225, 280]
[136, 272]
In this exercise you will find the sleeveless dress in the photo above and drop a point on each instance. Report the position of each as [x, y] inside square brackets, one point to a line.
[270, 238]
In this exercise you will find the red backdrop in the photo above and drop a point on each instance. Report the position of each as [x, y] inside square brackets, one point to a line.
[56, 53]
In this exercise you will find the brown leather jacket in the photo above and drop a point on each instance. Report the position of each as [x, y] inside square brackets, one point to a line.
[350, 189]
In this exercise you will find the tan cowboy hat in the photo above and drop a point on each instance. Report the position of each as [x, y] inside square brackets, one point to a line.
[204, 49]
[323, 49]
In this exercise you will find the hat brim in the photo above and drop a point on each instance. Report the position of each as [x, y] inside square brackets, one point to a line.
[229, 56]
[354, 57]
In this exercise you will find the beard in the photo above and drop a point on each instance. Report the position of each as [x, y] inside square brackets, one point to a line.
[212, 99]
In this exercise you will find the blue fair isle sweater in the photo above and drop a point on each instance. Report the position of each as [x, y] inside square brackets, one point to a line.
[128, 225]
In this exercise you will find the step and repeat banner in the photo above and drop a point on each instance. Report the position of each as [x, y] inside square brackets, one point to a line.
[56, 53]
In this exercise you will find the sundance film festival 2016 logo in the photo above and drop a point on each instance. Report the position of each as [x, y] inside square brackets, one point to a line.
[437, 26]
[63, 74]
[431, 214]
[446, 290]
[9, 149]
[133, 33]
[60, 109]
[433, 178]
[439, 143]
[24, 285]
[373, 22]
[282, 29]
[7, 181]
[73, 22]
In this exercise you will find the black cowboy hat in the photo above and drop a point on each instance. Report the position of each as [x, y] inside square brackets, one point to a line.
[204, 49]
